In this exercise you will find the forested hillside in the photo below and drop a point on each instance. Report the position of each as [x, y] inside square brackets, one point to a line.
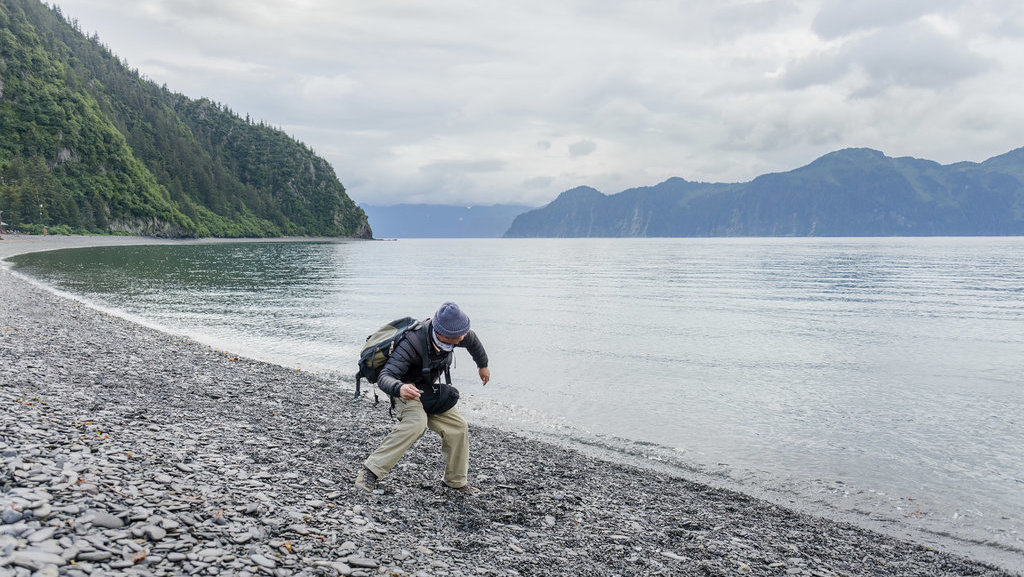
[87, 144]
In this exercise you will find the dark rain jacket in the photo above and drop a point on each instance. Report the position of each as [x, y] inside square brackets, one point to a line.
[405, 365]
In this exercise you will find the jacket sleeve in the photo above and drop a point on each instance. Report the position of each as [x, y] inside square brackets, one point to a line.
[405, 358]
[475, 348]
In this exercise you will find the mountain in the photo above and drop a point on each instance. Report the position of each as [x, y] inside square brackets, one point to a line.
[87, 144]
[441, 220]
[851, 192]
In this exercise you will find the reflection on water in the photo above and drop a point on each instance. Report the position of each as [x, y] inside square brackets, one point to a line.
[878, 373]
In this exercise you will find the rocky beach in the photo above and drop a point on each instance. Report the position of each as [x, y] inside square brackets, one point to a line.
[127, 451]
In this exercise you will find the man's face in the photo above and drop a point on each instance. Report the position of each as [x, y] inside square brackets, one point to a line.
[450, 340]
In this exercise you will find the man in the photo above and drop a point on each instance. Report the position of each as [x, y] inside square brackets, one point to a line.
[412, 377]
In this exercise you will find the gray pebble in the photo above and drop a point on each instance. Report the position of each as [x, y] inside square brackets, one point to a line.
[262, 561]
[94, 556]
[362, 562]
[41, 535]
[36, 559]
[154, 533]
[104, 519]
[10, 516]
[42, 511]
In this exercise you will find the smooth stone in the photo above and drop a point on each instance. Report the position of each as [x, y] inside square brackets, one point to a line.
[211, 553]
[362, 562]
[154, 533]
[242, 538]
[94, 556]
[262, 561]
[341, 568]
[36, 559]
[10, 516]
[43, 511]
[170, 524]
[106, 520]
[41, 535]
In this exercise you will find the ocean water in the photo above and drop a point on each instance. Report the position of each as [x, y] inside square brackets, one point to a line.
[874, 380]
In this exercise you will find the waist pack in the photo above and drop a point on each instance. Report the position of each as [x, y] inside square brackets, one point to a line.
[443, 398]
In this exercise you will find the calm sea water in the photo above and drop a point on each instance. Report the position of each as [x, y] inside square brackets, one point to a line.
[879, 378]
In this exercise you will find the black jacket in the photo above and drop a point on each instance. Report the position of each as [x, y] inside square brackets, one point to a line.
[405, 365]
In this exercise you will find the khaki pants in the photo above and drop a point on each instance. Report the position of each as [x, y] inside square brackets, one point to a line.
[413, 422]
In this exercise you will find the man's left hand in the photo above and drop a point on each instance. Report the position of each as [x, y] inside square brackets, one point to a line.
[485, 375]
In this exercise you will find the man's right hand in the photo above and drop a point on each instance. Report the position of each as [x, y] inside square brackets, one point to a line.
[409, 392]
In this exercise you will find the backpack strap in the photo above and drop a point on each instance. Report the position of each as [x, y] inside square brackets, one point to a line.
[425, 351]
[426, 358]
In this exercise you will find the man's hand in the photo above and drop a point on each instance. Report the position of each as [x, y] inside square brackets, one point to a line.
[409, 392]
[485, 375]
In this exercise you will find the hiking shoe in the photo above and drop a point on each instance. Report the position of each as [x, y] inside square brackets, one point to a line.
[366, 480]
[465, 489]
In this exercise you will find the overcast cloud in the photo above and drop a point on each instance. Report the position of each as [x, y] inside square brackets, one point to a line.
[514, 102]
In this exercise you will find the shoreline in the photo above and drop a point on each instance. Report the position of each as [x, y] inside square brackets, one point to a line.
[13, 244]
[157, 431]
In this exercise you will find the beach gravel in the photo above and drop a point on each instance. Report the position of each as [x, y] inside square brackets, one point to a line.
[126, 451]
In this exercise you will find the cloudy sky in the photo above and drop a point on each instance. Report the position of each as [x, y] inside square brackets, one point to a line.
[461, 102]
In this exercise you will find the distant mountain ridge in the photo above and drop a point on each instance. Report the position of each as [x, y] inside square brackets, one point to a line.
[850, 192]
[441, 220]
[89, 145]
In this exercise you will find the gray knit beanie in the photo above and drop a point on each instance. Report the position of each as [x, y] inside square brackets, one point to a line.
[450, 321]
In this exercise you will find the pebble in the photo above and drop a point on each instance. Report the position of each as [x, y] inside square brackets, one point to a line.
[154, 533]
[132, 452]
[41, 535]
[104, 520]
[36, 559]
[362, 562]
[10, 516]
[42, 511]
[262, 561]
